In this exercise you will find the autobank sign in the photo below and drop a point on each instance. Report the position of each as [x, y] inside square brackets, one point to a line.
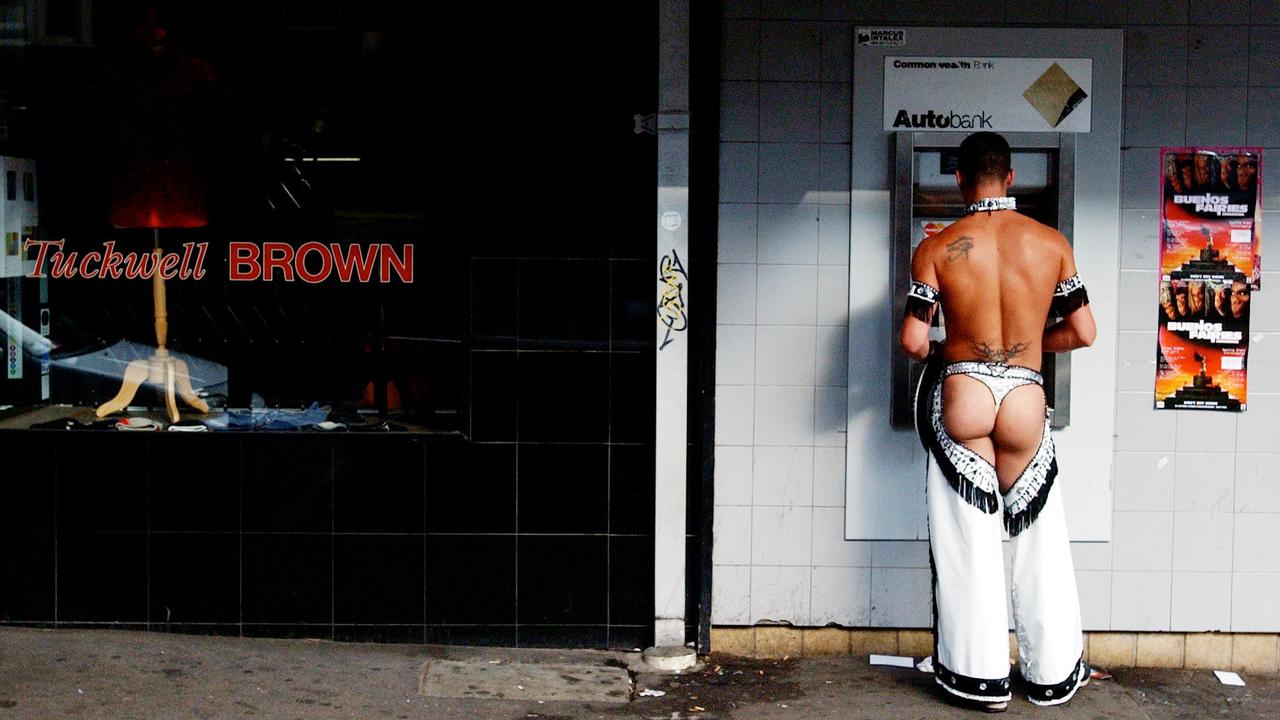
[985, 93]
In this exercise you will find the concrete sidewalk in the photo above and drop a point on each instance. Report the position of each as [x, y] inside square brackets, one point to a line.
[119, 674]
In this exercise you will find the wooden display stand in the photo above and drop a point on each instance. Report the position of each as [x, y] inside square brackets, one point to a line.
[158, 100]
[161, 369]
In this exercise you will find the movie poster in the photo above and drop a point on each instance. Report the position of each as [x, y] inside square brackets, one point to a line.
[1210, 264]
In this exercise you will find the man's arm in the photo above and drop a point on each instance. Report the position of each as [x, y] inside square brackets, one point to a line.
[914, 336]
[1076, 329]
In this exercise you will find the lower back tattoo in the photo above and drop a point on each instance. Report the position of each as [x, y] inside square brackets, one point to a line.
[1001, 355]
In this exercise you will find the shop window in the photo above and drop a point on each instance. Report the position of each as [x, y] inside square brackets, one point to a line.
[226, 225]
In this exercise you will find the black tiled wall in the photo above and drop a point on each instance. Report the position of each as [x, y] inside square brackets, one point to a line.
[562, 423]
[413, 539]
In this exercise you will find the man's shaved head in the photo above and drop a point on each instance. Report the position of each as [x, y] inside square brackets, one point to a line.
[984, 157]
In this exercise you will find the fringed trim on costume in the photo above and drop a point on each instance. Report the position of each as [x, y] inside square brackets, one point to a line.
[984, 500]
[1069, 296]
[1015, 523]
[1027, 497]
[968, 473]
[1059, 693]
[970, 688]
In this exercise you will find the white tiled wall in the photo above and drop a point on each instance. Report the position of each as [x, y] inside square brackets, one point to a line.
[1196, 495]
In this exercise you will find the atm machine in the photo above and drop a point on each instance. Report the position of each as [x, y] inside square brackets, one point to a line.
[945, 83]
[926, 199]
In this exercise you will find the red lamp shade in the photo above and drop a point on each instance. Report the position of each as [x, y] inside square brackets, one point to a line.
[166, 194]
[159, 102]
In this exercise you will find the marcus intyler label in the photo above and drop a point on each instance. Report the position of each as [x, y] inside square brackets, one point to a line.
[886, 37]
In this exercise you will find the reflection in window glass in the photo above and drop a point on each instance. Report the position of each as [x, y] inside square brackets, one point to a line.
[228, 226]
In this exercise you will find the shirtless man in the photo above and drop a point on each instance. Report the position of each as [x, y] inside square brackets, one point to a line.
[982, 413]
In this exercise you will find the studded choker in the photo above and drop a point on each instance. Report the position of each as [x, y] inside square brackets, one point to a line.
[991, 203]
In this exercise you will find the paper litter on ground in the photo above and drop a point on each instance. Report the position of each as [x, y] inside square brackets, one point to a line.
[894, 660]
[1226, 677]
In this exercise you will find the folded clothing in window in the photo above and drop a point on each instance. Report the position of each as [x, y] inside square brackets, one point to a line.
[68, 423]
[268, 419]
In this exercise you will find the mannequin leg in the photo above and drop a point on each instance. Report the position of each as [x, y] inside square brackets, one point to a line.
[185, 391]
[134, 375]
[170, 401]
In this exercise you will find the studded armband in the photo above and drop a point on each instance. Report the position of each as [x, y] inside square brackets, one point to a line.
[921, 299]
[1069, 296]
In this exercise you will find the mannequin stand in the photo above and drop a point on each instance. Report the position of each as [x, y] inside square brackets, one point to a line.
[161, 369]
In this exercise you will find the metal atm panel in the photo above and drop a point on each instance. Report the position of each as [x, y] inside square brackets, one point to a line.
[925, 197]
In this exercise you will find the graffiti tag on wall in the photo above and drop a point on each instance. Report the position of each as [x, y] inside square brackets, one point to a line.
[671, 307]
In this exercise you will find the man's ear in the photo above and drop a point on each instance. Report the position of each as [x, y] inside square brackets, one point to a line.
[1008, 179]
[959, 180]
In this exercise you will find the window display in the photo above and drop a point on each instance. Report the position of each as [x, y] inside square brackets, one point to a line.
[192, 244]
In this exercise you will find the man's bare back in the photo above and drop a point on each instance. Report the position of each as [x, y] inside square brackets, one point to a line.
[996, 273]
